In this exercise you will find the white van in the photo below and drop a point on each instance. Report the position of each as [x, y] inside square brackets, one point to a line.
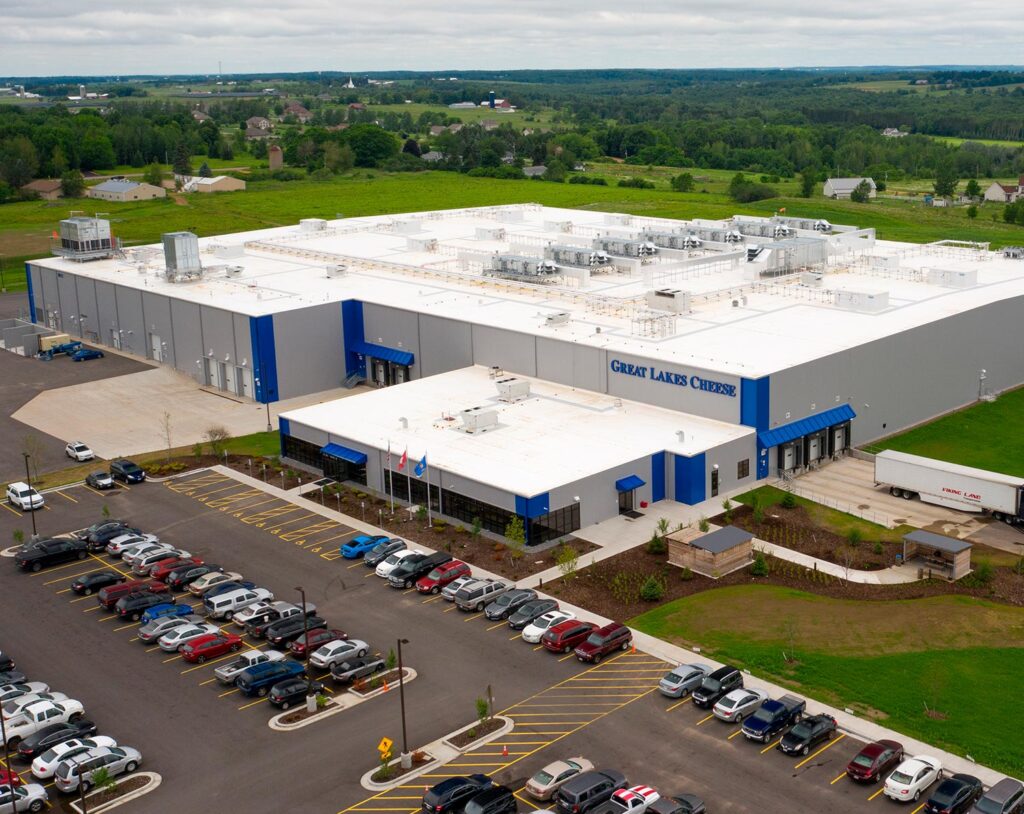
[225, 605]
[24, 497]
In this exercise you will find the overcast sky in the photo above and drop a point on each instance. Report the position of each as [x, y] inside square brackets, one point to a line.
[187, 36]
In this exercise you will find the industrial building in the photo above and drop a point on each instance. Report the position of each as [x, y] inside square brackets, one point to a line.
[559, 365]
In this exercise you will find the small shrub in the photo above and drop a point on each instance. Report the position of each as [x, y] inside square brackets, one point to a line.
[482, 709]
[704, 525]
[757, 513]
[1018, 567]
[788, 501]
[421, 513]
[106, 512]
[878, 548]
[321, 701]
[567, 559]
[759, 568]
[854, 536]
[197, 451]
[478, 526]
[657, 545]
[727, 506]
[685, 574]
[19, 535]
[981, 576]
[391, 660]
[652, 589]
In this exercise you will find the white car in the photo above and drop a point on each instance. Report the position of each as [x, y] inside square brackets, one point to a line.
[207, 581]
[78, 451]
[244, 615]
[452, 588]
[634, 800]
[738, 704]
[153, 559]
[115, 759]
[911, 777]
[129, 540]
[31, 797]
[173, 639]
[8, 692]
[42, 713]
[134, 553]
[45, 765]
[385, 568]
[24, 497]
[338, 651]
[17, 705]
[533, 632]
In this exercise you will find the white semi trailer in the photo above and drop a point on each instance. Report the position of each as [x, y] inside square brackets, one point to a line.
[957, 487]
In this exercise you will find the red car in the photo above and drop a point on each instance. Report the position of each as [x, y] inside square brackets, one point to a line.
[163, 570]
[613, 636]
[108, 596]
[433, 582]
[563, 637]
[9, 779]
[210, 646]
[875, 760]
[300, 648]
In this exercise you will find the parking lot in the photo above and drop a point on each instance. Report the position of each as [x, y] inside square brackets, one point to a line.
[216, 746]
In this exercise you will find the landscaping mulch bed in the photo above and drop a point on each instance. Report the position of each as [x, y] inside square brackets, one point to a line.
[301, 714]
[101, 798]
[395, 771]
[364, 686]
[482, 729]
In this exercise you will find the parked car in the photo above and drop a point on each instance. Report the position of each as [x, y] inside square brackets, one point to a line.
[86, 355]
[6, 662]
[613, 636]
[99, 480]
[30, 797]
[441, 576]
[225, 587]
[211, 580]
[8, 778]
[16, 689]
[634, 800]
[176, 637]
[164, 570]
[359, 545]
[45, 764]
[24, 497]
[912, 777]
[152, 631]
[508, 602]
[180, 578]
[682, 680]
[528, 611]
[52, 734]
[1005, 797]
[453, 587]
[874, 760]
[131, 553]
[402, 575]
[147, 563]
[382, 551]
[11, 676]
[28, 720]
[109, 597]
[227, 673]
[738, 704]
[588, 790]
[338, 651]
[292, 691]
[225, 605]
[954, 795]
[477, 595]
[90, 583]
[134, 605]
[716, 684]
[773, 717]
[492, 800]
[451, 795]
[807, 733]
[535, 631]
[256, 618]
[258, 680]
[566, 636]
[546, 782]
[389, 563]
[203, 648]
[116, 760]
[51, 552]
[683, 804]
[99, 534]
[306, 643]
[126, 539]
[17, 705]
[353, 667]
[127, 471]
[78, 451]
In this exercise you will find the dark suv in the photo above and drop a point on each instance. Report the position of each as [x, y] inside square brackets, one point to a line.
[133, 605]
[604, 640]
[412, 568]
[494, 800]
[127, 471]
[50, 552]
[717, 684]
[588, 790]
[452, 794]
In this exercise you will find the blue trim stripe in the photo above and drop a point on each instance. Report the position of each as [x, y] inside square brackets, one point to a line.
[690, 479]
[399, 357]
[657, 477]
[31, 294]
[754, 403]
[284, 428]
[352, 336]
[805, 426]
[264, 358]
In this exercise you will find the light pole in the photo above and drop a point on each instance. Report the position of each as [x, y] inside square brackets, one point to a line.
[310, 698]
[7, 756]
[32, 510]
[405, 761]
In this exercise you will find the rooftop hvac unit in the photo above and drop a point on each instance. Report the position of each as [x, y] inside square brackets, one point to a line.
[558, 226]
[234, 271]
[1013, 252]
[512, 389]
[84, 238]
[407, 227]
[561, 318]
[669, 299]
[822, 226]
[336, 270]
[732, 236]
[952, 278]
[781, 230]
[866, 302]
[421, 244]
[490, 233]
[811, 278]
[478, 419]
[312, 225]
[181, 255]
[229, 252]
[615, 219]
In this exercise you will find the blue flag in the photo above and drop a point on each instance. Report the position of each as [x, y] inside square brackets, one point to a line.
[421, 467]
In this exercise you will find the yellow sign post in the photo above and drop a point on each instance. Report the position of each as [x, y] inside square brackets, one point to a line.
[384, 747]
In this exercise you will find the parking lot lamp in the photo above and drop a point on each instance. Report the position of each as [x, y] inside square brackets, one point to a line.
[7, 757]
[310, 697]
[406, 758]
[32, 511]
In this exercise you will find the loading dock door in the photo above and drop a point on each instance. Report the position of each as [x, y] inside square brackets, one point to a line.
[228, 372]
[156, 348]
[246, 378]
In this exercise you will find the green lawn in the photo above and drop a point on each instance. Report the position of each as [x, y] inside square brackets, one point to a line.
[241, 161]
[957, 141]
[985, 435]
[520, 118]
[936, 669]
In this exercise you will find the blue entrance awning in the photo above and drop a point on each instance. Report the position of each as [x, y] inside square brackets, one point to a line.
[399, 357]
[629, 483]
[805, 426]
[353, 456]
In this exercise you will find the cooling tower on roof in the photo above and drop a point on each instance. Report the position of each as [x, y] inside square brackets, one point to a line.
[181, 256]
[84, 239]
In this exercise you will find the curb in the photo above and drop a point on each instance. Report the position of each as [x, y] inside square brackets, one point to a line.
[334, 706]
[441, 751]
[154, 783]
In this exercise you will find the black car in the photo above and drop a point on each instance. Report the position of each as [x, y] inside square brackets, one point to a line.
[51, 552]
[103, 533]
[401, 575]
[133, 605]
[6, 662]
[716, 685]
[683, 804]
[452, 794]
[90, 583]
[293, 691]
[127, 471]
[180, 578]
[493, 800]
[806, 733]
[529, 611]
[32, 746]
[283, 631]
[954, 795]
[99, 480]
[96, 528]
[256, 626]
[11, 676]
[382, 551]
[505, 604]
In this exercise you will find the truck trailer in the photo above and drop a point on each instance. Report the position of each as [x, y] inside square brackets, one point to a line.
[957, 487]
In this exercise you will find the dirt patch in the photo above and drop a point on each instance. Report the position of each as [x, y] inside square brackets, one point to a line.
[103, 797]
[482, 729]
[394, 771]
[21, 242]
[302, 714]
[179, 200]
[364, 686]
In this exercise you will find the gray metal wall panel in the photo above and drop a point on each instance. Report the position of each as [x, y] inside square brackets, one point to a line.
[511, 351]
[309, 352]
[243, 339]
[106, 311]
[156, 309]
[130, 322]
[46, 293]
[68, 298]
[87, 305]
[590, 368]
[311, 434]
[555, 360]
[219, 335]
[394, 328]
[444, 345]
[727, 456]
[188, 338]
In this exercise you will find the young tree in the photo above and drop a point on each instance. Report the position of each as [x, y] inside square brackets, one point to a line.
[182, 159]
[152, 174]
[946, 180]
[18, 161]
[217, 436]
[806, 184]
[861, 193]
[515, 540]
[972, 189]
[205, 171]
[683, 182]
[165, 427]
[72, 185]
[972, 211]
[567, 559]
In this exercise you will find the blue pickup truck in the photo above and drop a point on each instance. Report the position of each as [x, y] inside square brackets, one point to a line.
[772, 717]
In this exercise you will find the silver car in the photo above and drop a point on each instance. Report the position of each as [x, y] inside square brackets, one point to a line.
[175, 638]
[738, 704]
[133, 553]
[683, 680]
[452, 588]
[117, 546]
[8, 692]
[31, 797]
[151, 631]
[115, 759]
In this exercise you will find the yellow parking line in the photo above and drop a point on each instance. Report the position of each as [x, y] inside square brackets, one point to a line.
[11, 510]
[208, 663]
[96, 491]
[125, 627]
[151, 649]
[538, 647]
[279, 526]
[134, 639]
[875, 794]
[677, 704]
[813, 755]
[408, 591]
[734, 734]
[111, 567]
[338, 536]
[771, 746]
[366, 576]
[59, 568]
[229, 692]
[355, 565]
[63, 590]
[72, 576]
[67, 497]
[122, 486]
[449, 610]
[216, 491]
[80, 598]
[94, 608]
[208, 681]
[518, 635]
[109, 618]
[708, 718]
[838, 778]
[432, 599]
[332, 556]
[474, 616]
[254, 703]
[570, 656]
[522, 799]
[917, 809]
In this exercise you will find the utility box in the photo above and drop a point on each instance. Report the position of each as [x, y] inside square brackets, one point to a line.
[512, 389]
[312, 225]
[181, 254]
[952, 278]
[866, 302]
[84, 238]
[669, 299]
[478, 419]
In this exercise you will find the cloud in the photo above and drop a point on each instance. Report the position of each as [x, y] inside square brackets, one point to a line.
[188, 36]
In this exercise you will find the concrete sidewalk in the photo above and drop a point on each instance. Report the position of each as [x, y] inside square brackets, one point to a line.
[894, 575]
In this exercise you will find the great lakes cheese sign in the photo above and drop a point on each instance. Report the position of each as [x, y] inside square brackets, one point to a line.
[654, 374]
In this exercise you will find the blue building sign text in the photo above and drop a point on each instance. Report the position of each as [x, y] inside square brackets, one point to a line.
[678, 379]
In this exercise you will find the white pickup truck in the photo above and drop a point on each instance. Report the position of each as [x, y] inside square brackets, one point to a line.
[39, 714]
[227, 673]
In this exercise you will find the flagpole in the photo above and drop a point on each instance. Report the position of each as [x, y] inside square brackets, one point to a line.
[391, 481]
[427, 473]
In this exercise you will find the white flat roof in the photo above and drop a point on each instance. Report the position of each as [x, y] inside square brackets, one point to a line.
[557, 435]
[739, 323]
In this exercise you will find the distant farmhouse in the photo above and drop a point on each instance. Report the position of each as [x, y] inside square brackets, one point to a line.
[1005, 193]
[46, 188]
[218, 183]
[841, 188]
[258, 122]
[121, 190]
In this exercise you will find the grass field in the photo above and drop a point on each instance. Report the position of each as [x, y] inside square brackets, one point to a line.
[520, 118]
[985, 435]
[886, 86]
[241, 162]
[936, 669]
[994, 142]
